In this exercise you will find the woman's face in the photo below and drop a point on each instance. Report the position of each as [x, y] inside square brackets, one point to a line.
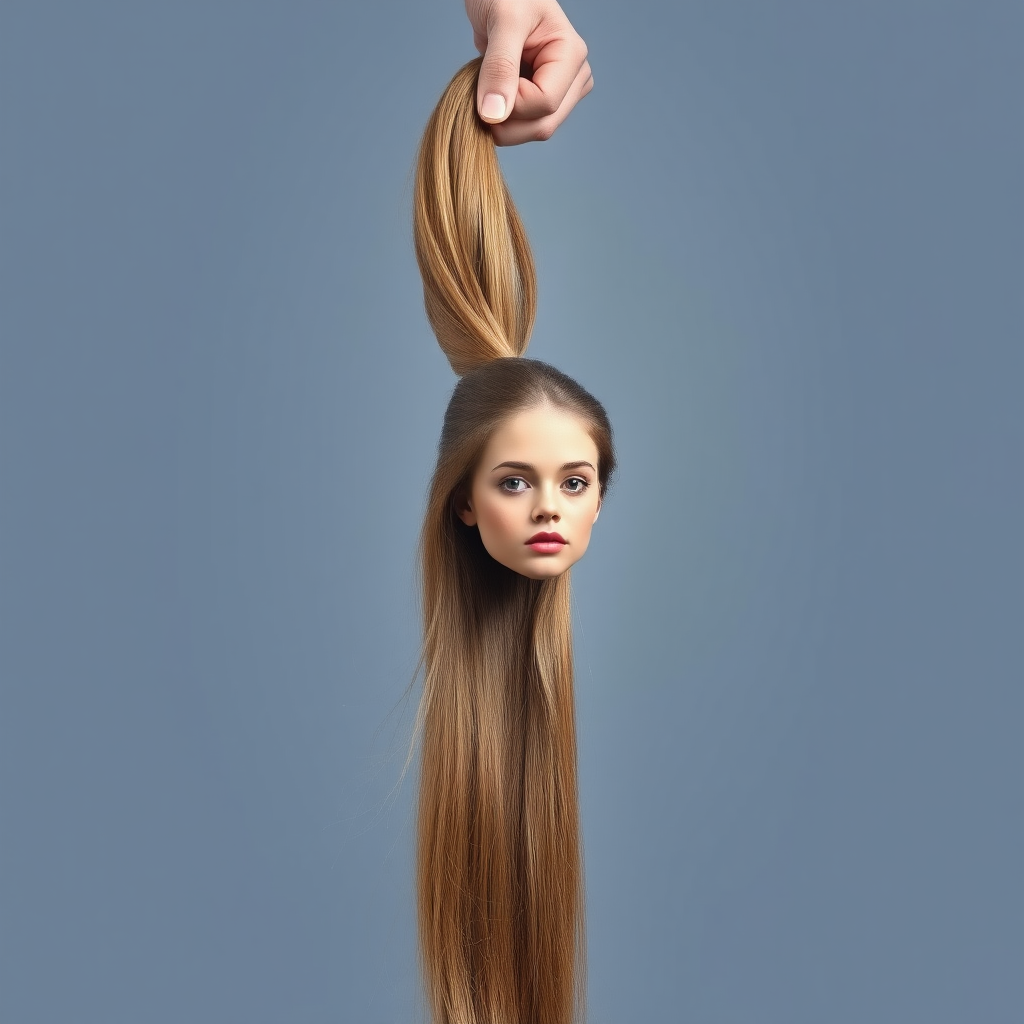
[538, 475]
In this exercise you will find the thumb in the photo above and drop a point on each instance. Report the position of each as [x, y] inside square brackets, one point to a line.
[498, 82]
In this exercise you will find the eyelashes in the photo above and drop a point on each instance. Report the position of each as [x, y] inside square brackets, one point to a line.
[581, 481]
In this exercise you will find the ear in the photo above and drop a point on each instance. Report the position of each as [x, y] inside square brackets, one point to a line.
[598, 512]
[465, 512]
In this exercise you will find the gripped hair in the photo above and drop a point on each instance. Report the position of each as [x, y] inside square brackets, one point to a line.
[479, 283]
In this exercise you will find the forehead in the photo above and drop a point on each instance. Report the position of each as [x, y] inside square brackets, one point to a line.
[544, 436]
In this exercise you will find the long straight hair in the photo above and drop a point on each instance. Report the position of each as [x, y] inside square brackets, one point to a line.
[499, 864]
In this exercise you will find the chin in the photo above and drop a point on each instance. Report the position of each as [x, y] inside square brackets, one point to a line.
[543, 568]
[536, 567]
[541, 572]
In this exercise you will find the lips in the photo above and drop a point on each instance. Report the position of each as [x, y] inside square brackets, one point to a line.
[550, 537]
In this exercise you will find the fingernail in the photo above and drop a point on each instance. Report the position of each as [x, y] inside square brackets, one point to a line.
[493, 107]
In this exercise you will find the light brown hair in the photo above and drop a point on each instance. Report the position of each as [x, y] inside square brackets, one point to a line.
[499, 864]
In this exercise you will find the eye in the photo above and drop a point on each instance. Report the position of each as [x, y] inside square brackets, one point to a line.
[513, 480]
[581, 483]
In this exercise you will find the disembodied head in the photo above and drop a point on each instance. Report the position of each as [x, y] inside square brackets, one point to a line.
[535, 494]
[524, 450]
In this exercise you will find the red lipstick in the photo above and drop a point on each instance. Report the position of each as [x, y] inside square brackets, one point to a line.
[547, 543]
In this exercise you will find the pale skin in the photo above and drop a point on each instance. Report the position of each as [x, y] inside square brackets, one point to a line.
[551, 486]
[510, 33]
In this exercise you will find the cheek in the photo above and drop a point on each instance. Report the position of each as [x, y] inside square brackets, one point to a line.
[498, 521]
[583, 527]
[584, 519]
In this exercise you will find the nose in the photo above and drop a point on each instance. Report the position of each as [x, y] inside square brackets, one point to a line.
[545, 507]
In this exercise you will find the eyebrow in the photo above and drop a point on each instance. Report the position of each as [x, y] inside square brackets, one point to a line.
[530, 469]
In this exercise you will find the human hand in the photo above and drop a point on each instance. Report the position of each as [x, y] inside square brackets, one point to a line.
[510, 33]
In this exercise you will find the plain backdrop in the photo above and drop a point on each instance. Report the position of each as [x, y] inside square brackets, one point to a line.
[783, 242]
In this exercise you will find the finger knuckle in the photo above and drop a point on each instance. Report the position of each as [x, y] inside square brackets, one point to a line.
[502, 64]
[547, 104]
[544, 131]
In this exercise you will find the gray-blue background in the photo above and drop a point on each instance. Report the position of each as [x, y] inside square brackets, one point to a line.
[783, 242]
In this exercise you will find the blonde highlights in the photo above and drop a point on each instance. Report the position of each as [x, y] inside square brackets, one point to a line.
[499, 863]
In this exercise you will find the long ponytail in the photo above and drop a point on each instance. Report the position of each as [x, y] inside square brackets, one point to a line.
[479, 283]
